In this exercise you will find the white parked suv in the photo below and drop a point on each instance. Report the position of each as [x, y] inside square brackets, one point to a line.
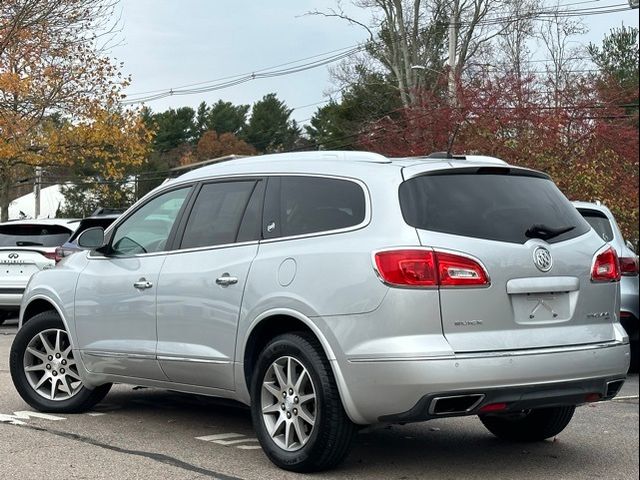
[26, 247]
[329, 290]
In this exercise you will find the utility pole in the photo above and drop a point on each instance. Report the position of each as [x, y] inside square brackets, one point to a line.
[453, 36]
[36, 191]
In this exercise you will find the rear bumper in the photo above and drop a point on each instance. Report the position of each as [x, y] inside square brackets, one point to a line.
[401, 390]
[509, 399]
[10, 297]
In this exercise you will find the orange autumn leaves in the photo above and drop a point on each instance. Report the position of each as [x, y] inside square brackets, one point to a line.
[60, 93]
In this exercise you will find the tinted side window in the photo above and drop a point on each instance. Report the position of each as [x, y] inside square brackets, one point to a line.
[216, 214]
[300, 205]
[493, 206]
[251, 226]
[147, 229]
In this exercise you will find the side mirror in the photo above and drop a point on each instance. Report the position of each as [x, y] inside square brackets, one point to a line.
[630, 246]
[91, 238]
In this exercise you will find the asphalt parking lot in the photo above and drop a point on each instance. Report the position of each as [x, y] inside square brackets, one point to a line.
[140, 433]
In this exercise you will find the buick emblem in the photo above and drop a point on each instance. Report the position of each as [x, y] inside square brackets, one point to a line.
[13, 255]
[542, 259]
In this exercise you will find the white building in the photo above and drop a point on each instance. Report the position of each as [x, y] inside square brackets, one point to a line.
[24, 207]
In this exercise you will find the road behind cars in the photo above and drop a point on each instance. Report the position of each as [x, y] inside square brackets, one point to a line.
[149, 433]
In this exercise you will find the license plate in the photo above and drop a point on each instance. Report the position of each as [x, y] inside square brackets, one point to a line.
[541, 308]
[25, 269]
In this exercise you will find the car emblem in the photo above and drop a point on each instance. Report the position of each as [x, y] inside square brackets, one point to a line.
[542, 259]
[13, 255]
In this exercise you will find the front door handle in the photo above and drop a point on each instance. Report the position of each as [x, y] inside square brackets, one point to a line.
[142, 284]
[225, 280]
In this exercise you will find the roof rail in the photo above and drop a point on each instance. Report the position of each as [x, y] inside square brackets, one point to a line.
[446, 155]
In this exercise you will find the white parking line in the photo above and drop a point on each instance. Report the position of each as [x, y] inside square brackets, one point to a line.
[19, 418]
[627, 397]
[221, 436]
[231, 440]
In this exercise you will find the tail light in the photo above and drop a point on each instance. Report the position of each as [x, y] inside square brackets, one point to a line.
[429, 268]
[55, 256]
[606, 267]
[629, 266]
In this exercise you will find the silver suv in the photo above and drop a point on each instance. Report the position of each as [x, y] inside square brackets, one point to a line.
[329, 290]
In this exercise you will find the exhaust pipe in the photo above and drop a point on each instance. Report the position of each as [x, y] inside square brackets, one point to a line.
[613, 388]
[456, 404]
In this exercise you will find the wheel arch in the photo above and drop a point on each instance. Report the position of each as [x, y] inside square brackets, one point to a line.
[274, 323]
[39, 304]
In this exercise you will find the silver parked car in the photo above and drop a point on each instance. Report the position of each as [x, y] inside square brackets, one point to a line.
[602, 221]
[329, 290]
[26, 247]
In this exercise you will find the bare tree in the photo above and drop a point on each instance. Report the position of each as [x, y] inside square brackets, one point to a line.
[408, 38]
[564, 53]
[519, 32]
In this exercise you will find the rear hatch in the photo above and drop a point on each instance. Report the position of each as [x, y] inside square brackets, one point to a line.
[26, 249]
[537, 249]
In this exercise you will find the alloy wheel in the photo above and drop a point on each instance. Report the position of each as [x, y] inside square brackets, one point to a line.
[289, 403]
[50, 367]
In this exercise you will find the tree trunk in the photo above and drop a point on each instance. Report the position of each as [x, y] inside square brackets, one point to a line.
[4, 198]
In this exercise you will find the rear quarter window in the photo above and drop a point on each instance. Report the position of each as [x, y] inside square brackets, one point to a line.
[498, 207]
[297, 205]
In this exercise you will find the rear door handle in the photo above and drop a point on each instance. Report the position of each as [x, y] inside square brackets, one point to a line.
[225, 280]
[142, 284]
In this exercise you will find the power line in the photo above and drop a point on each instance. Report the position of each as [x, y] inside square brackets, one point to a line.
[342, 53]
[246, 73]
[248, 78]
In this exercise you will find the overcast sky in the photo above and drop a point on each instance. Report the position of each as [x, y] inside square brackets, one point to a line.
[171, 43]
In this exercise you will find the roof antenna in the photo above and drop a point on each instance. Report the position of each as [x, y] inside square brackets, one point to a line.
[452, 138]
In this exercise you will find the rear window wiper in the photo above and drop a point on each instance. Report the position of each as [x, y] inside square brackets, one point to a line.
[27, 243]
[545, 232]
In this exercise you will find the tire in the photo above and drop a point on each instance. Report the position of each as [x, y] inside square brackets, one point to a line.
[535, 426]
[7, 314]
[329, 440]
[77, 397]
[633, 366]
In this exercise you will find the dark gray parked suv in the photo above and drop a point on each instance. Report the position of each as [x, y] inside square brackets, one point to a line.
[329, 290]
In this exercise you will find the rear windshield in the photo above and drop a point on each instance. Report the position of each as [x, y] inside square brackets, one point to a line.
[599, 222]
[492, 206]
[24, 235]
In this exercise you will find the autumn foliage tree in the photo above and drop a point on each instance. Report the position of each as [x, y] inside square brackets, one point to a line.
[588, 145]
[54, 65]
[214, 145]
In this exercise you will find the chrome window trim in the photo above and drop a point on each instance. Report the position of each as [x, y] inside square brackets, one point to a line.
[363, 224]
[185, 250]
